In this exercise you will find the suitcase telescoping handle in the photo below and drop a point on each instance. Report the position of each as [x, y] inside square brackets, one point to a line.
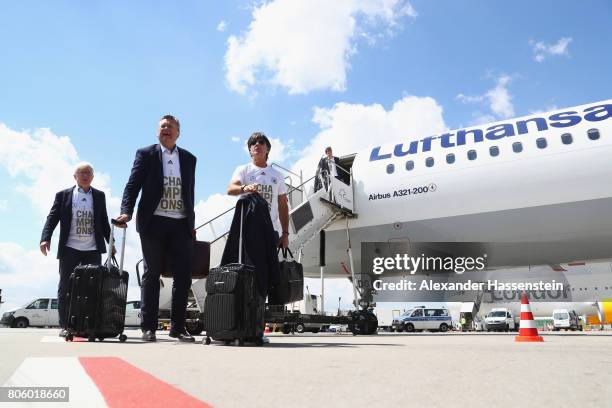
[111, 242]
[240, 238]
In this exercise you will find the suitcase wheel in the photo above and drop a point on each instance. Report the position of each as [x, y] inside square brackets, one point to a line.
[122, 338]
[100, 338]
[206, 340]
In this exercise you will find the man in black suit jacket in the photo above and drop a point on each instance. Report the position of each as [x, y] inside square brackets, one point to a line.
[165, 220]
[329, 166]
[81, 212]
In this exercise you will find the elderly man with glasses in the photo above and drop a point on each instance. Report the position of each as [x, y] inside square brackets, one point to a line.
[81, 213]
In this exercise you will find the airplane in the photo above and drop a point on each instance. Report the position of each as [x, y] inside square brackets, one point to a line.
[541, 180]
[538, 180]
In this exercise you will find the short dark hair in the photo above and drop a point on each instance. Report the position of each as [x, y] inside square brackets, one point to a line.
[172, 118]
[259, 137]
[327, 148]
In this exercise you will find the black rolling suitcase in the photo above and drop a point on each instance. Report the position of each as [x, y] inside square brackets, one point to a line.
[233, 309]
[98, 295]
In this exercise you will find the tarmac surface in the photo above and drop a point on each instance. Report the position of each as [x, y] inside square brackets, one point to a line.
[336, 370]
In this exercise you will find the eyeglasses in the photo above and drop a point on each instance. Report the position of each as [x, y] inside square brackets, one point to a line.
[261, 142]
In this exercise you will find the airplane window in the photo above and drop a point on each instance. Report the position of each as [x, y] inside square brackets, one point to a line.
[409, 165]
[390, 168]
[450, 158]
[494, 151]
[471, 154]
[541, 143]
[566, 138]
[429, 162]
[54, 304]
[517, 147]
[593, 134]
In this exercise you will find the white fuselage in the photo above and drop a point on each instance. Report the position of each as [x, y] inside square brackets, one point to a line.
[549, 191]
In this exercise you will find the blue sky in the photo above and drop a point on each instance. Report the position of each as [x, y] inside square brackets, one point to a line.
[88, 81]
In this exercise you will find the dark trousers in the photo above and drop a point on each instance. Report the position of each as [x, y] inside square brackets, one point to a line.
[67, 263]
[166, 241]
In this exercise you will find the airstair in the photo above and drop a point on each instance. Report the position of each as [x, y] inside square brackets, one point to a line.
[310, 211]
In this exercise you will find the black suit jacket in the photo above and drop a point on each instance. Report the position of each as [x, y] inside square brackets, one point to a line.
[61, 212]
[324, 167]
[148, 175]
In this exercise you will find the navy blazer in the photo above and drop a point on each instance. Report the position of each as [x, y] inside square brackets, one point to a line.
[148, 175]
[324, 167]
[61, 212]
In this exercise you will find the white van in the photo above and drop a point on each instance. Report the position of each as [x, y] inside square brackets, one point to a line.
[423, 318]
[41, 312]
[566, 319]
[501, 319]
[44, 312]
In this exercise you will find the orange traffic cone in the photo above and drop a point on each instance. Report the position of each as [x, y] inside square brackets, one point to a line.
[528, 331]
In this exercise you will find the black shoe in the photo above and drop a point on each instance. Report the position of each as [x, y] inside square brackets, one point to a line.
[63, 333]
[182, 336]
[148, 335]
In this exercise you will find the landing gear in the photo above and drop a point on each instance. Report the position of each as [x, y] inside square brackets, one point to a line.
[364, 323]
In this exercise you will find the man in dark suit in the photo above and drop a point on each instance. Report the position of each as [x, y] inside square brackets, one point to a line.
[81, 212]
[165, 220]
[329, 166]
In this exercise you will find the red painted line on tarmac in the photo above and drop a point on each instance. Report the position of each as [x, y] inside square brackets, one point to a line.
[123, 385]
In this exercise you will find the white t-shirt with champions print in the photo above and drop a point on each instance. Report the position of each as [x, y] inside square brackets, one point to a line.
[270, 184]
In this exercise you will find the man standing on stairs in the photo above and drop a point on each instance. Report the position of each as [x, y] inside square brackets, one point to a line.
[258, 177]
[329, 166]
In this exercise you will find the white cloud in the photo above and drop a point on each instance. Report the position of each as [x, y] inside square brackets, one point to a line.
[236, 139]
[498, 100]
[4, 205]
[349, 128]
[26, 274]
[206, 210]
[222, 26]
[42, 163]
[542, 50]
[305, 45]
